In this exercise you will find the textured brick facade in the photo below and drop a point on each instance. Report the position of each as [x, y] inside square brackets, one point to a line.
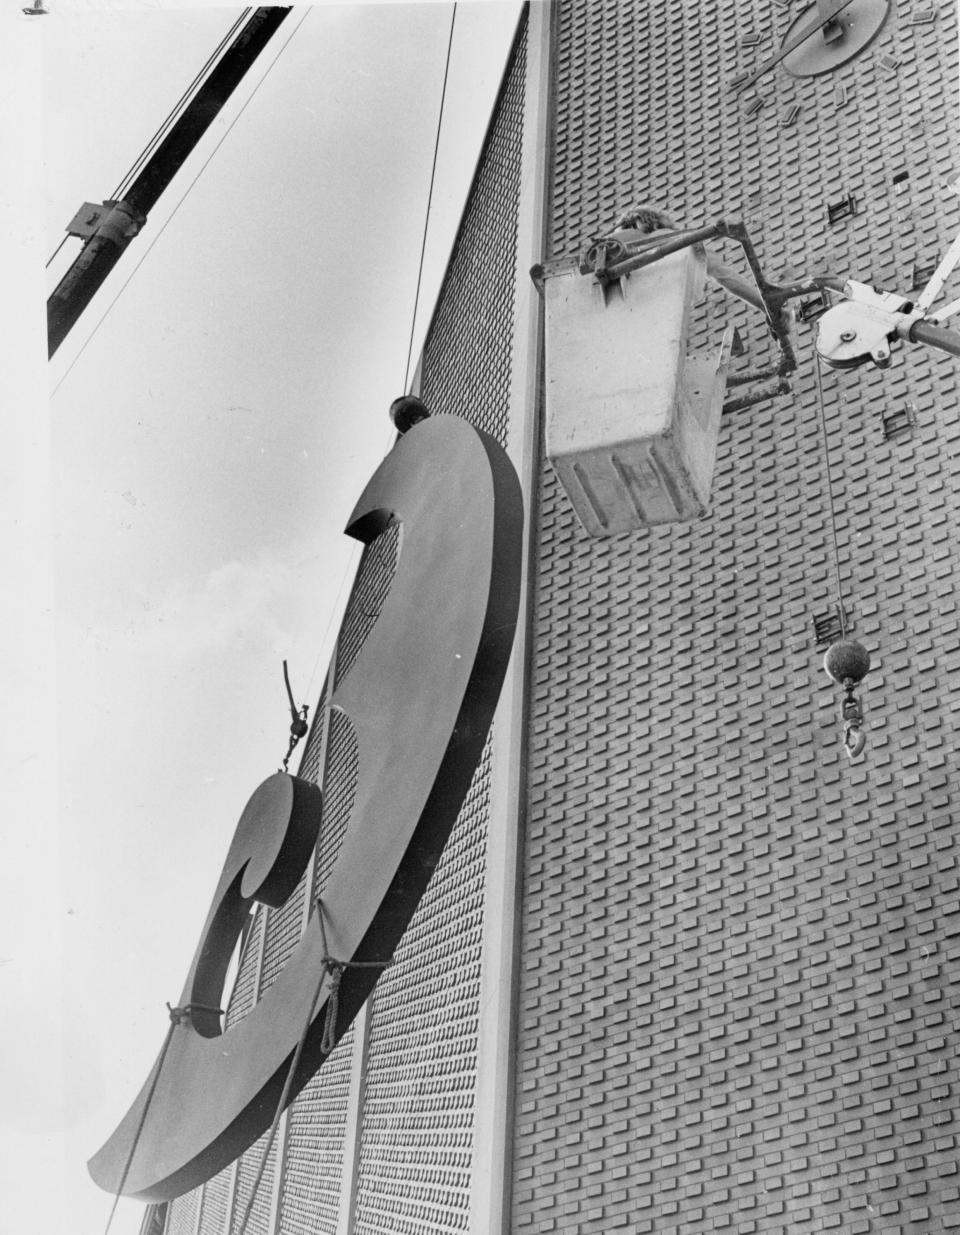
[739, 1000]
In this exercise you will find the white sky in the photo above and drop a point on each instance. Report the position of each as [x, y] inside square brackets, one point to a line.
[172, 517]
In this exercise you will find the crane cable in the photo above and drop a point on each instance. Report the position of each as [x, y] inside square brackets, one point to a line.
[170, 216]
[831, 509]
[352, 562]
[426, 221]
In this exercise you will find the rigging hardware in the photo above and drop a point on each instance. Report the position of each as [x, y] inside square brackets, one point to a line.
[863, 325]
[848, 663]
[298, 719]
[407, 411]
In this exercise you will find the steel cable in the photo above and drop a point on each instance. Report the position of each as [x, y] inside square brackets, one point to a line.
[426, 221]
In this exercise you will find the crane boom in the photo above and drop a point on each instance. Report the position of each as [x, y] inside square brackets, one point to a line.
[122, 220]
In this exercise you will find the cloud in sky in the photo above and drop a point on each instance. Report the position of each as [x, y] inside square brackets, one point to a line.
[247, 606]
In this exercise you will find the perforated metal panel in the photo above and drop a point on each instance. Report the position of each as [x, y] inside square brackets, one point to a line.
[340, 789]
[737, 1000]
[248, 1167]
[284, 928]
[217, 1194]
[416, 1147]
[315, 1137]
[182, 1215]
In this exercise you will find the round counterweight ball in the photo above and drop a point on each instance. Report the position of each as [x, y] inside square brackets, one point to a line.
[847, 660]
[408, 411]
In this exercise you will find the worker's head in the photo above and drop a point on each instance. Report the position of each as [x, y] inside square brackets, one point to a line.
[645, 218]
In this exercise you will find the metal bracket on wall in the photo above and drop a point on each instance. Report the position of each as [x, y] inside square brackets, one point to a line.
[828, 627]
[845, 208]
[899, 422]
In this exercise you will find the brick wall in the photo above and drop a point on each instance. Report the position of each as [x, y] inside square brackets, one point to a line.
[738, 990]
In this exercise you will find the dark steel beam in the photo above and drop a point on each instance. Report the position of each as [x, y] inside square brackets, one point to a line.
[935, 336]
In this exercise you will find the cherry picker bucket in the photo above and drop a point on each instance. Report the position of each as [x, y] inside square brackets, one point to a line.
[632, 414]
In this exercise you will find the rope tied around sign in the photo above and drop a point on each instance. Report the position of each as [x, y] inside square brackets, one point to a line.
[336, 968]
[181, 1016]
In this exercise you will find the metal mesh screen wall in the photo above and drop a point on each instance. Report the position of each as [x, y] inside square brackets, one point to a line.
[314, 1161]
[738, 1002]
[340, 789]
[284, 928]
[216, 1202]
[182, 1214]
[248, 1166]
[417, 1133]
[244, 994]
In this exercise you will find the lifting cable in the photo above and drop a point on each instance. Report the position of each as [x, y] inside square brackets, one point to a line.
[351, 564]
[846, 661]
[831, 509]
[143, 1120]
[66, 237]
[170, 216]
[426, 221]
